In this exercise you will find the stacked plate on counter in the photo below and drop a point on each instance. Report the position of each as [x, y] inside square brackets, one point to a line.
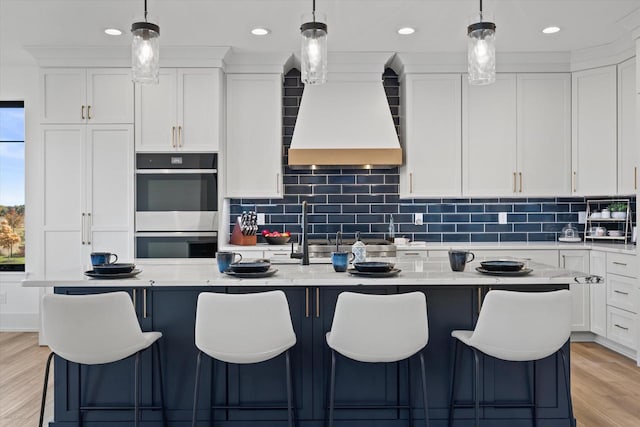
[113, 271]
[374, 269]
[503, 268]
[251, 269]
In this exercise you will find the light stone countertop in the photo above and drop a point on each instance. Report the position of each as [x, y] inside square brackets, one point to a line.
[420, 272]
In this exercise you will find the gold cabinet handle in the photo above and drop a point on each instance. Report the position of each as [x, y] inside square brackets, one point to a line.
[82, 112]
[520, 173]
[89, 228]
[144, 303]
[278, 183]
[134, 299]
[317, 302]
[514, 183]
[82, 228]
[89, 112]
[179, 136]
[635, 177]
[173, 136]
[306, 311]
[410, 182]
[564, 261]
[573, 182]
[479, 299]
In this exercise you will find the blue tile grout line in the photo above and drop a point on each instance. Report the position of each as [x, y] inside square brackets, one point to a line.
[350, 200]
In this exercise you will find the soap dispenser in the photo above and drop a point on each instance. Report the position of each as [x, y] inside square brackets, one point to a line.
[359, 249]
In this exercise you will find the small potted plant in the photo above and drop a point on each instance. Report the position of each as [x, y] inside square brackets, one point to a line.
[618, 210]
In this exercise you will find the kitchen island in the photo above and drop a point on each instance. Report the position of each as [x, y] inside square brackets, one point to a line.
[165, 300]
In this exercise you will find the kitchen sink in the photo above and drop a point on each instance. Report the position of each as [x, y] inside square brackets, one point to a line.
[373, 250]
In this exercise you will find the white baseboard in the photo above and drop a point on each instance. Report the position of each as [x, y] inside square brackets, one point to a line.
[19, 322]
[603, 341]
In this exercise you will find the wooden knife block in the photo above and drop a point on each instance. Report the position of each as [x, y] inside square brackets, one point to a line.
[237, 238]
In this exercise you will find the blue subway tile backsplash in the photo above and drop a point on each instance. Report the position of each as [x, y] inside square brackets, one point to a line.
[362, 200]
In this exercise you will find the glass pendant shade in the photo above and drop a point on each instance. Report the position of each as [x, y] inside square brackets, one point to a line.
[145, 52]
[314, 53]
[481, 53]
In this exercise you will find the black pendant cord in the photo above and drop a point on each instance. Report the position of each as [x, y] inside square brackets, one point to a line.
[313, 12]
[145, 9]
[480, 9]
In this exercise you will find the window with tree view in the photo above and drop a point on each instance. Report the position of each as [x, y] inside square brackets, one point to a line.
[12, 196]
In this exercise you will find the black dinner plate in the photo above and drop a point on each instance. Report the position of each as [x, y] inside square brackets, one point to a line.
[502, 265]
[522, 272]
[373, 266]
[93, 274]
[116, 268]
[391, 273]
[251, 275]
[249, 267]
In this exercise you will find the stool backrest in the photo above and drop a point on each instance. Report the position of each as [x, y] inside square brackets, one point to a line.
[243, 328]
[91, 329]
[520, 326]
[379, 328]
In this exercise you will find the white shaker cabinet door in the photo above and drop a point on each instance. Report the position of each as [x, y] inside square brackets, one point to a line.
[578, 260]
[64, 95]
[109, 96]
[156, 127]
[598, 293]
[432, 136]
[594, 139]
[544, 134]
[627, 128]
[253, 162]
[489, 137]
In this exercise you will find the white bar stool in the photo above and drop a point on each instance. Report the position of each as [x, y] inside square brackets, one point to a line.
[93, 330]
[244, 328]
[517, 327]
[379, 328]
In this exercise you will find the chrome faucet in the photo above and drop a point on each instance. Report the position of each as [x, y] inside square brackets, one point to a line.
[304, 255]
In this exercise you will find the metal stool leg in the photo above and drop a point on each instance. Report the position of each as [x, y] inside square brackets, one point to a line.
[79, 395]
[565, 365]
[195, 390]
[410, 392]
[332, 387]
[44, 388]
[453, 383]
[289, 390]
[476, 386]
[424, 391]
[535, 400]
[164, 415]
[136, 405]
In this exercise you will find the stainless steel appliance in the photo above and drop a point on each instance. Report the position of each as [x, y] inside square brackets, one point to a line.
[176, 205]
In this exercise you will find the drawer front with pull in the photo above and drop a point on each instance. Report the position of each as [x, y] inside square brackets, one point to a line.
[622, 264]
[622, 292]
[621, 327]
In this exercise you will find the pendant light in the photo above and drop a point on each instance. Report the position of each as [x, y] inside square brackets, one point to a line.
[145, 50]
[481, 54]
[314, 50]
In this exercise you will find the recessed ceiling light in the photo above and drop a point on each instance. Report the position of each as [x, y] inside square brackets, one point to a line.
[405, 31]
[113, 32]
[551, 30]
[260, 31]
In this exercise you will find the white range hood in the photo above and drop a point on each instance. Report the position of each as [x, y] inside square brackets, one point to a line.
[345, 122]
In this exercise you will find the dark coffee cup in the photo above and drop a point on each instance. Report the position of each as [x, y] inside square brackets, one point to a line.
[340, 260]
[101, 258]
[458, 259]
[225, 259]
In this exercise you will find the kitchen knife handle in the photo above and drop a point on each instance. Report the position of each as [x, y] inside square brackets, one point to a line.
[173, 136]
[514, 183]
[179, 136]
[88, 112]
[82, 112]
[520, 173]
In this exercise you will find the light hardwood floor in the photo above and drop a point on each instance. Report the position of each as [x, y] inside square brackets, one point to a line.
[605, 386]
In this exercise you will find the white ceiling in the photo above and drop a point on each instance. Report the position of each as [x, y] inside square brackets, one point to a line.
[354, 25]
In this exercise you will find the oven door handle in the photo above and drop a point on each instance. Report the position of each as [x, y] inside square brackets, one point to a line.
[173, 171]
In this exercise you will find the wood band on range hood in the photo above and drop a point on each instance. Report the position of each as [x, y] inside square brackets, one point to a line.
[372, 157]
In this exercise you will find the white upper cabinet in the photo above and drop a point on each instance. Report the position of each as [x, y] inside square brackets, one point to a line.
[431, 114]
[183, 112]
[594, 131]
[627, 130]
[489, 137]
[86, 96]
[544, 134]
[254, 135]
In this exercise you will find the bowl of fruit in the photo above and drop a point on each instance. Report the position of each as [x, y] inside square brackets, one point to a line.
[275, 237]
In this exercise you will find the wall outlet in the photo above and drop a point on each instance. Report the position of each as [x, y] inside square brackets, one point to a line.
[261, 219]
[582, 217]
[502, 217]
[418, 219]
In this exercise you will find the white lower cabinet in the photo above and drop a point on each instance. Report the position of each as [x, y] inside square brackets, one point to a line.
[598, 293]
[88, 195]
[621, 327]
[578, 260]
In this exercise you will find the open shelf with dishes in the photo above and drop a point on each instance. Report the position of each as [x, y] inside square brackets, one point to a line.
[608, 219]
